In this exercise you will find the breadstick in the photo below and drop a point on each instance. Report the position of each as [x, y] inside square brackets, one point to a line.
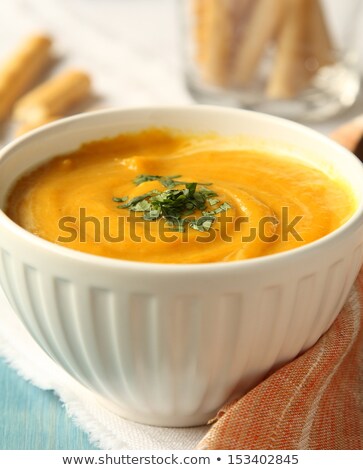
[265, 21]
[320, 41]
[54, 97]
[29, 126]
[238, 10]
[318, 46]
[289, 74]
[218, 36]
[20, 71]
[198, 12]
[241, 14]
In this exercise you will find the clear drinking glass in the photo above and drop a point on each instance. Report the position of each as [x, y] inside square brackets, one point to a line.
[293, 58]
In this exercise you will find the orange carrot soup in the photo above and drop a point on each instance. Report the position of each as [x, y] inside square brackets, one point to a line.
[166, 197]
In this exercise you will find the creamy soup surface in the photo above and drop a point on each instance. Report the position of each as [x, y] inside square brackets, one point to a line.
[166, 197]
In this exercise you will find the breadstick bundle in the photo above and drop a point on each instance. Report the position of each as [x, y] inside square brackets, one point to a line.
[48, 101]
[233, 38]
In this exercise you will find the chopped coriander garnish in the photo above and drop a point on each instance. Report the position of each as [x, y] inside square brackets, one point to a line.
[120, 199]
[141, 206]
[167, 181]
[137, 199]
[213, 201]
[203, 224]
[223, 207]
[175, 205]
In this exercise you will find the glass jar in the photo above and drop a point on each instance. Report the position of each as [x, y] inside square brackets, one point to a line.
[293, 58]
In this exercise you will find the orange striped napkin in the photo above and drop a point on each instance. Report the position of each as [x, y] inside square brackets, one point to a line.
[314, 402]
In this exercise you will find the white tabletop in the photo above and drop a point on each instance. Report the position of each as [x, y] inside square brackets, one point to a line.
[130, 47]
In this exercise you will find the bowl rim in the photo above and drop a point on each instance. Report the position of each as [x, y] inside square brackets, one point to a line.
[114, 263]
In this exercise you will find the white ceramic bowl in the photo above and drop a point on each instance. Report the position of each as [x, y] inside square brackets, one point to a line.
[169, 344]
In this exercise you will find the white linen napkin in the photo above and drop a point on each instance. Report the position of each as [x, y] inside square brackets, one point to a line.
[105, 429]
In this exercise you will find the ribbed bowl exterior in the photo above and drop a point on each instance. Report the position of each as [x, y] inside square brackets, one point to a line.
[169, 345]
[168, 351]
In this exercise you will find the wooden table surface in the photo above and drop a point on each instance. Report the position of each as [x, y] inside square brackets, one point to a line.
[31, 418]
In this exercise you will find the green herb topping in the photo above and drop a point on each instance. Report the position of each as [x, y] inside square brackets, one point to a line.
[176, 205]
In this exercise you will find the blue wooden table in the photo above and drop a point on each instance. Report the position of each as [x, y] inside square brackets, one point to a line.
[31, 418]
